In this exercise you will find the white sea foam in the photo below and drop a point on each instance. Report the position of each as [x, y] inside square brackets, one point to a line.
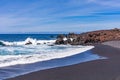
[38, 50]
[39, 53]
[28, 40]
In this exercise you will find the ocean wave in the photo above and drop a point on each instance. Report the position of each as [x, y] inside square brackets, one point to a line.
[28, 41]
[42, 55]
[33, 50]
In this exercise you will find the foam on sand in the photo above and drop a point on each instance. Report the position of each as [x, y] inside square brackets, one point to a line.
[9, 60]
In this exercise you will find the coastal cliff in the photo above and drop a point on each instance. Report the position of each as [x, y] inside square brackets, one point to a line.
[89, 38]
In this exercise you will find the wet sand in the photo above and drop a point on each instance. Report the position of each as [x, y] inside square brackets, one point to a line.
[106, 69]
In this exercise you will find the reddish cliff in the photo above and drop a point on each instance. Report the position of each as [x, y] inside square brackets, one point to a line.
[89, 37]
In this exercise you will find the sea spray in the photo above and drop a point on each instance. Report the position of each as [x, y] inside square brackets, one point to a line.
[31, 54]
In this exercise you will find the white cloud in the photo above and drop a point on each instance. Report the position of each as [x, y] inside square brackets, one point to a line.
[111, 3]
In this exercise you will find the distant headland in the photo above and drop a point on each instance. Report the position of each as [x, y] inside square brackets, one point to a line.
[89, 38]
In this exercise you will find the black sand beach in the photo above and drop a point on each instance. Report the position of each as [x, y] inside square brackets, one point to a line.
[106, 69]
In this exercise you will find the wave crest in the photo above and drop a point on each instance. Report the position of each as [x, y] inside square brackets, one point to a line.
[28, 41]
[9, 60]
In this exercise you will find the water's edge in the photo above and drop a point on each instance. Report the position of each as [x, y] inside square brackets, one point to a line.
[28, 68]
[23, 54]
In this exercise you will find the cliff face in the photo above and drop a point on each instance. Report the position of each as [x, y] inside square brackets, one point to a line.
[89, 38]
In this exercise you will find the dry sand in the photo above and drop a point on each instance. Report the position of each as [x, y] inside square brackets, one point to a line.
[115, 44]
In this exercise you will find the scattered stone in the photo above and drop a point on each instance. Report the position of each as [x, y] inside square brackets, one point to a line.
[28, 43]
[2, 44]
[38, 43]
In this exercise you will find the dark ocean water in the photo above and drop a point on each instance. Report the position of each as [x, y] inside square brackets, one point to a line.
[22, 37]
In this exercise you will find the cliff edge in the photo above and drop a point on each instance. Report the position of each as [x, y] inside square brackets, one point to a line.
[89, 38]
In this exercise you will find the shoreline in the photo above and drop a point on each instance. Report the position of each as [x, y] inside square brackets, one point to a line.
[22, 69]
[104, 69]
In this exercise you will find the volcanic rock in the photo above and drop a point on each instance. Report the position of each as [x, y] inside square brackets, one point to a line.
[89, 38]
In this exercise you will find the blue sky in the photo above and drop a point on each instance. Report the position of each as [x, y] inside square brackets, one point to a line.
[19, 16]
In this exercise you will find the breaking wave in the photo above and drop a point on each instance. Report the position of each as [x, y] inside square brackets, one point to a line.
[28, 41]
[32, 50]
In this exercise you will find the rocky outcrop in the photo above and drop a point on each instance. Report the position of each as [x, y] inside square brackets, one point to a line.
[89, 38]
[2, 44]
[28, 43]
